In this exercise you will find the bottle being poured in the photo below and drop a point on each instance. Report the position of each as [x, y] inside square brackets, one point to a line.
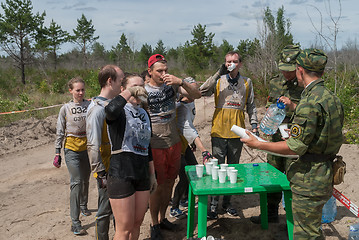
[273, 118]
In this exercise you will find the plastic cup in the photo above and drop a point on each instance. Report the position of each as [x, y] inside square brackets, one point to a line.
[209, 168]
[233, 175]
[222, 175]
[215, 172]
[210, 237]
[199, 170]
[214, 161]
[283, 132]
[223, 165]
[229, 169]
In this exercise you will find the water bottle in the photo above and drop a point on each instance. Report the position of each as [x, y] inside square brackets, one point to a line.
[273, 118]
[354, 232]
[329, 210]
[283, 202]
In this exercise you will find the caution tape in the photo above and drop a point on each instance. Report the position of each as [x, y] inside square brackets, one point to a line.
[36, 109]
[346, 202]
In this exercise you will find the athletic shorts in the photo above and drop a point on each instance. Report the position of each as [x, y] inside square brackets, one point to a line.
[118, 188]
[167, 162]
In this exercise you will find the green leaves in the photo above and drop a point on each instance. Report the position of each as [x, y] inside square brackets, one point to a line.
[84, 35]
[18, 29]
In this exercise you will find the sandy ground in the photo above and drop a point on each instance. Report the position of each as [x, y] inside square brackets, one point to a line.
[34, 195]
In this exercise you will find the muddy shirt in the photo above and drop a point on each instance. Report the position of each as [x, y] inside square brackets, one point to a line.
[71, 124]
[231, 100]
[130, 134]
[162, 110]
[98, 144]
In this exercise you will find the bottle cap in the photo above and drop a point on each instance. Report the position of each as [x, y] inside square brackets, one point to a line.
[280, 105]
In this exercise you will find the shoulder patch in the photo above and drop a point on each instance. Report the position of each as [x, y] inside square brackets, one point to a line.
[296, 131]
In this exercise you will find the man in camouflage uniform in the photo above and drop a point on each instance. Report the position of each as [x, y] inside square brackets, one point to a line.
[316, 136]
[285, 86]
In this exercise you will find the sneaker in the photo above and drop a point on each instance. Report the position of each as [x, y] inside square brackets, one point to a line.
[183, 204]
[177, 213]
[78, 230]
[85, 212]
[212, 213]
[156, 232]
[167, 225]
[231, 211]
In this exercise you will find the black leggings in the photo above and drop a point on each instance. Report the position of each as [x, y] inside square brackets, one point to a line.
[181, 189]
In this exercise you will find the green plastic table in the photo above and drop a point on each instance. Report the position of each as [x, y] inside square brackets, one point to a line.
[261, 178]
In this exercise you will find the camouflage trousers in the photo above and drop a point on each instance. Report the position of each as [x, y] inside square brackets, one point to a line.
[281, 164]
[307, 216]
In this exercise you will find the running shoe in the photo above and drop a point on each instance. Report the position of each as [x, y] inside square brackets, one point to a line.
[177, 213]
[78, 230]
[212, 213]
[231, 211]
[85, 212]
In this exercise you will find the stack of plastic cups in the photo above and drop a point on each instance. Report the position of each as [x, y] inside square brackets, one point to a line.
[214, 161]
[229, 169]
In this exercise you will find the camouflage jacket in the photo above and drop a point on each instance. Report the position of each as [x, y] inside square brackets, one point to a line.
[279, 86]
[316, 133]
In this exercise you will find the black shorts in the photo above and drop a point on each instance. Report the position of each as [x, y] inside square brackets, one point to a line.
[118, 188]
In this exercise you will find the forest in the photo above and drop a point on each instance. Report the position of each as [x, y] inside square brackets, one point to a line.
[34, 72]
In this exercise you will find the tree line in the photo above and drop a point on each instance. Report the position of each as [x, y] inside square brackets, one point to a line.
[33, 49]
[27, 41]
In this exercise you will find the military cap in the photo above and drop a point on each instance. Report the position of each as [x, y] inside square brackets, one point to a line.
[312, 59]
[287, 58]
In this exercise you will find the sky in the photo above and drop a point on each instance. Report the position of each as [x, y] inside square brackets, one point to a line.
[144, 21]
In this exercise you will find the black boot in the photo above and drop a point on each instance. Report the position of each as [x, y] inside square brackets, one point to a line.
[272, 215]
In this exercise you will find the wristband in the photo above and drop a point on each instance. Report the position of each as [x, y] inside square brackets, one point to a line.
[181, 83]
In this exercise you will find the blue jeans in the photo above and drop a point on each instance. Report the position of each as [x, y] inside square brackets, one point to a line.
[79, 168]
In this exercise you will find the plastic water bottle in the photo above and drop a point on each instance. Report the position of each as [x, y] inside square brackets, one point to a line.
[273, 118]
[354, 232]
[283, 202]
[329, 210]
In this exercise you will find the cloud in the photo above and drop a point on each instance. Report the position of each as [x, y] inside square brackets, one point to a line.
[214, 24]
[299, 2]
[185, 29]
[79, 4]
[121, 24]
[257, 4]
[52, 2]
[244, 15]
[291, 15]
[86, 9]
